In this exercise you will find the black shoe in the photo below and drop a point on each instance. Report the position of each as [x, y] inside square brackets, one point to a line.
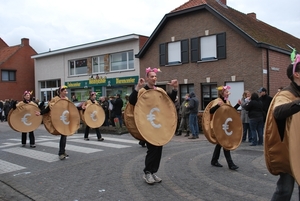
[178, 134]
[143, 144]
[216, 164]
[32, 146]
[233, 167]
[186, 135]
[252, 145]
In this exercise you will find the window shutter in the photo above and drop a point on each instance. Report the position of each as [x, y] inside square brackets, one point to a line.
[185, 51]
[194, 49]
[162, 54]
[221, 45]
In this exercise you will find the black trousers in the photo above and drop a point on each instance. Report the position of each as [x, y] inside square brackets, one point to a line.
[62, 144]
[216, 155]
[153, 157]
[31, 138]
[87, 131]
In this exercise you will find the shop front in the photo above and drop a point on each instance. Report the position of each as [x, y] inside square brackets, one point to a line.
[108, 87]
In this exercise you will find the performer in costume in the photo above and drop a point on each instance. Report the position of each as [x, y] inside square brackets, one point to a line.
[284, 106]
[61, 94]
[154, 152]
[223, 93]
[26, 100]
[91, 100]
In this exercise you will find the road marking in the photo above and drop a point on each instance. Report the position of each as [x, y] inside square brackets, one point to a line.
[71, 147]
[100, 143]
[30, 153]
[121, 140]
[6, 167]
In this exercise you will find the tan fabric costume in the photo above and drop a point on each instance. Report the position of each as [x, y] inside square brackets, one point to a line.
[23, 118]
[93, 115]
[282, 156]
[224, 127]
[63, 118]
[150, 121]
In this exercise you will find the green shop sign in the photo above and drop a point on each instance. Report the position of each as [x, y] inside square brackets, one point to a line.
[78, 84]
[103, 81]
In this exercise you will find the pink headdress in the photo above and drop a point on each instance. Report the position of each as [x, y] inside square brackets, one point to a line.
[223, 88]
[149, 69]
[296, 61]
[27, 92]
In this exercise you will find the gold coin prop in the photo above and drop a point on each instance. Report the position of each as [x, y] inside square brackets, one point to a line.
[130, 123]
[207, 123]
[65, 117]
[155, 117]
[23, 118]
[227, 126]
[93, 116]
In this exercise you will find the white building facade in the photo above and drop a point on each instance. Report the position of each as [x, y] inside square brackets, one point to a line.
[108, 67]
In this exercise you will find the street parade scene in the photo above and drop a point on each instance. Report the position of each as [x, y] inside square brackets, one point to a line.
[207, 110]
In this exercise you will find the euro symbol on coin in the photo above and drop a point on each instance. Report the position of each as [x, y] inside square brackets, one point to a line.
[93, 115]
[63, 117]
[151, 117]
[24, 119]
[225, 126]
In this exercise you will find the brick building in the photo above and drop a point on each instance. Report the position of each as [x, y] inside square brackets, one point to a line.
[17, 69]
[206, 43]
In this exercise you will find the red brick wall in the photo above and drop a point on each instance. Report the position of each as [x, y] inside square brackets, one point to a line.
[23, 64]
[244, 59]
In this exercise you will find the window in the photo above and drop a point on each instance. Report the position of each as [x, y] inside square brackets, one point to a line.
[174, 53]
[98, 64]
[208, 48]
[185, 89]
[50, 84]
[209, 93]
[122, 61]
[8, 75]
[78, 67]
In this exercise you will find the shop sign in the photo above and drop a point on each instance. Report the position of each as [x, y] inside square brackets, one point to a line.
[125, 80]
[77, 84]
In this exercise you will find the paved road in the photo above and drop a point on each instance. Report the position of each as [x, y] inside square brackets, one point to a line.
[112, 170]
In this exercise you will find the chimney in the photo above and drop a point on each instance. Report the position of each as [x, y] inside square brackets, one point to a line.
[25, 42]
[223, 2]
[253, 15]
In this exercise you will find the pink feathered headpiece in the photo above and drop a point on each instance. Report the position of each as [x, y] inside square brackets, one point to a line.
[149, 69]
[296, 61]
[27, 92]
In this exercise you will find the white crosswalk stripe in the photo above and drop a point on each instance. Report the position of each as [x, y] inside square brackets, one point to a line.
[30, 153]
[6, 167]
[70, 147]
[74, 143]
[104, 144]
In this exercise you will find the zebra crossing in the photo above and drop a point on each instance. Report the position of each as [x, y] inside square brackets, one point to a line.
[74, 144]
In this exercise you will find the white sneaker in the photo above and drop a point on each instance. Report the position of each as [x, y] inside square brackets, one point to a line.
[149, 178]
[156, 178]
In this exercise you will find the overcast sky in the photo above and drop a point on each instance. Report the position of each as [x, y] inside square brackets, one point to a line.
[59, 24]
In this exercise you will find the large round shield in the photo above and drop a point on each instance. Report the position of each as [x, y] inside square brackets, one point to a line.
[207, 121]
[227, 126]
[93, 115]
[8, 121]
[130, 123]
[155, 117]
[23, 118]
[65, 117]
[48, 124]
[276, 151]
[294, 148]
